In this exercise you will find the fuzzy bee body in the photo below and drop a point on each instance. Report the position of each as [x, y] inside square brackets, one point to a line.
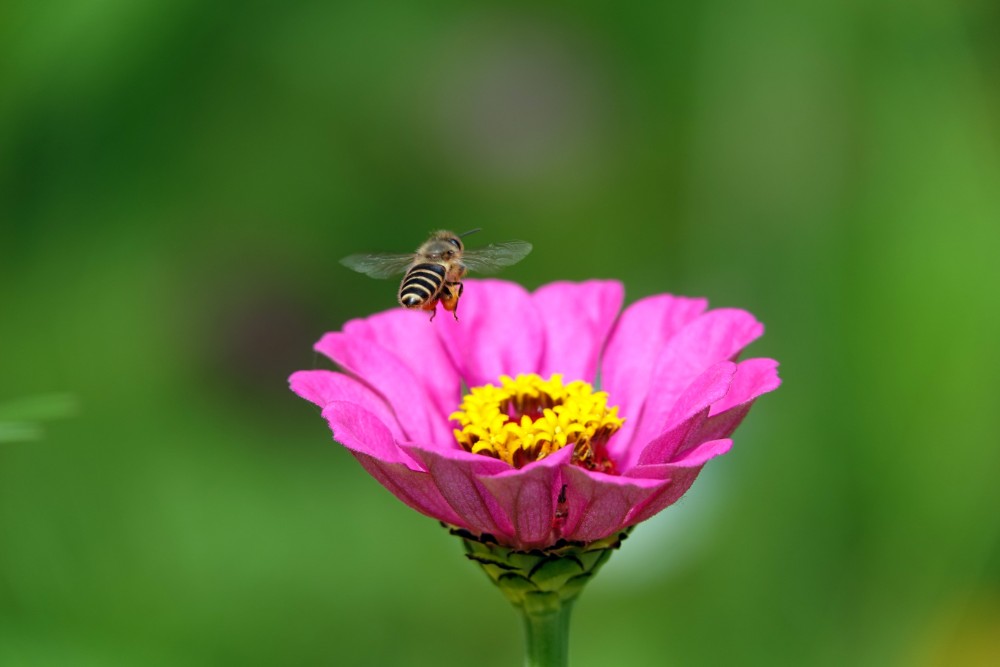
[422, 284]
[434, 273]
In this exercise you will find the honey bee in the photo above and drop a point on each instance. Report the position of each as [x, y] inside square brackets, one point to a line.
[434, 272]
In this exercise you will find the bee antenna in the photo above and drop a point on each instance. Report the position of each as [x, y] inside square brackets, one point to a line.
[471, 231]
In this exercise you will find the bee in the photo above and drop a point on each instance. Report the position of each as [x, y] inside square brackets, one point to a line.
[434, 272]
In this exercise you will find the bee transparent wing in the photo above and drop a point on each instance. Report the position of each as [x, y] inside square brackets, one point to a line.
[495, 256]
[378, 264]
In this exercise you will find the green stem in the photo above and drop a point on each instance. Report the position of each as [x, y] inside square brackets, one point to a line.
[542, 585]
[546, 633]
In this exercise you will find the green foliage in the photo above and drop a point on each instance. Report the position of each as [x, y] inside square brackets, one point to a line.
[20, 420]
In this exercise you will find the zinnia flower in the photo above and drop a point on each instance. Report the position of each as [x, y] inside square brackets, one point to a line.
[577, 422]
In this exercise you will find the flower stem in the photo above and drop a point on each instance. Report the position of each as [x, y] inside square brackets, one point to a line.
[543, 585]
[546, 634]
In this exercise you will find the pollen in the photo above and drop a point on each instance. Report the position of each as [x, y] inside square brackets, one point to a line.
[527, 418]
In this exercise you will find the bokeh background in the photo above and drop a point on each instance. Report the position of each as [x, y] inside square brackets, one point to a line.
[178, 179]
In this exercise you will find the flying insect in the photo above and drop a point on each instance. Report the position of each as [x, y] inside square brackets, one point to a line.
[433, 274]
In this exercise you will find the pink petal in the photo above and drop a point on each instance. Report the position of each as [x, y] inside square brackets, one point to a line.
[361, 431]
[416, 488]
[667, 446]
[704, 452]
[753, 378]
[680, 474]
[690, 425]
[499, 331]
[577, 318]
[386, 374]
[414, 341]
[691, 408]
[635, 344]
[597, 505]
[713, 385]
[716, 336]
[322, 387]
[529, 497]
[457, 474]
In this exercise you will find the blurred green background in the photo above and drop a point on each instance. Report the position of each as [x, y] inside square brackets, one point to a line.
[178, 179]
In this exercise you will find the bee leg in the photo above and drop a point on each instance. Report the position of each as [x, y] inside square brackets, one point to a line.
[431, 306]
[454, 311]
[450, 298]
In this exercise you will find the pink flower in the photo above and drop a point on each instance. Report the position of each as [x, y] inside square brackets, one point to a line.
[666, 363]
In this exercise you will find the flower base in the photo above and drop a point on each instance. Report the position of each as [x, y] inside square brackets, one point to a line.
[543, 585]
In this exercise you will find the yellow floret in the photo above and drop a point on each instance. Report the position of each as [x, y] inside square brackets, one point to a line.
[527, 418]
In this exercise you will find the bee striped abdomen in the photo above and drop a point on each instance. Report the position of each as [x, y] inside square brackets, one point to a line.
[421, 284]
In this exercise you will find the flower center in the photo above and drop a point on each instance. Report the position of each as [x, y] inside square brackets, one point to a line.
[527, 418]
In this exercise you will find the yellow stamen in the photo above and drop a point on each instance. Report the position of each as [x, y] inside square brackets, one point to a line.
[527, 418]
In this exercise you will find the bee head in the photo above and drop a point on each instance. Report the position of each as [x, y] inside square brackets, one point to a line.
[445, 244]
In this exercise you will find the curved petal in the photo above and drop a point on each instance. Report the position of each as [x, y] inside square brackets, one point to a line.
[636, 342]
[530, 497]
[700, 416]
[498, 332]
[753, 378]
[597, 504]
[680, 475]
[416, 488]
[667, 446]
[385, 373]
[413, 340]
[691, 408]
[457, 474]
[577, 318]
[360, 431]
[322, 387]
[715, 336]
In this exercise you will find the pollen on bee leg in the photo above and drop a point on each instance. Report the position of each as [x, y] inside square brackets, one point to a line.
[450, 295]
[527, 418]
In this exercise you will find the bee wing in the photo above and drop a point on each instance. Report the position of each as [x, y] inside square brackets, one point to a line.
[378, 264]
[495, 256]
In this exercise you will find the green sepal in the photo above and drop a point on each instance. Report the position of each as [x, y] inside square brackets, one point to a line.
[539, 581]
[543, 584]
